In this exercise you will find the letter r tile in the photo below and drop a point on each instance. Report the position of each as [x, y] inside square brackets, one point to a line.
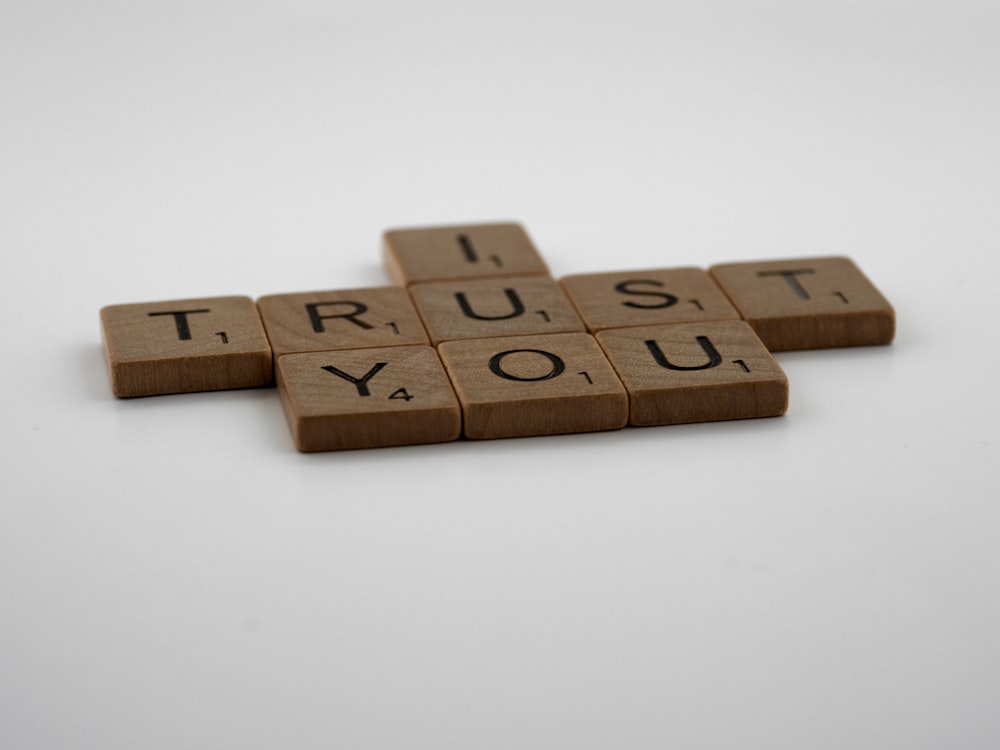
[695, 372]
[182, 346]
[534, 385]
[341, 319]
[367, 398]
[808, 303]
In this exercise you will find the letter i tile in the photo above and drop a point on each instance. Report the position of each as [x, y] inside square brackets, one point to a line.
[472, 251]
[534, 385]
[181, 346]
[695, 372]
[367, 398]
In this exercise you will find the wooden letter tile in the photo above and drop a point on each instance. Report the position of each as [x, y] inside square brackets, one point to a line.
[695, 372]
[181, 346]
[494, 307]
[637, 298]
[460, 252]
[534, 385]
[808, 303]
[367, 398]
[342, 319]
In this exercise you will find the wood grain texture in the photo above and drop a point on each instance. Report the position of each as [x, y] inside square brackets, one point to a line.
[695, 372]
[648, 297]
[460, 252]
[367, 398]
[808, 303]
[482, 308]
[341, 319]
[534, 385]
[181, 346]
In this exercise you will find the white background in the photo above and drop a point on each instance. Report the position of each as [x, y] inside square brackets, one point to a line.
[174, 575]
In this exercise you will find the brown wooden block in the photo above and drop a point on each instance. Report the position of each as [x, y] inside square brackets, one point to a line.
[181, 346]
[481, 308]
[695, 372]
[341, 319]
[808, 303]
[636, 298]
[534, 385]
[367, 398]
[460, 252]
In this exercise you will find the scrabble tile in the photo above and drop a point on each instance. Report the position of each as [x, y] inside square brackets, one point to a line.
[695, 372]
[636, 298]
[340, 319]
[808, 303]
[460, 252]
[181, 346]
[482, 308]
[534, 385]
[367, 398]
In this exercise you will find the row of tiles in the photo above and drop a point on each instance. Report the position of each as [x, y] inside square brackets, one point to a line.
[521, 386]
[792, 304]
[144, 340]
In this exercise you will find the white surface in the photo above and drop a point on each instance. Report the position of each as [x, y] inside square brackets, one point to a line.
[174, 575]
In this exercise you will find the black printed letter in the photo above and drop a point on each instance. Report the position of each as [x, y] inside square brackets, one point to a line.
[789, 276]
[360, 383]
[714, 358]
[181, 321]
[467, 249]
[317, 319]
[515, 303]
[557, 365]
[668, 299]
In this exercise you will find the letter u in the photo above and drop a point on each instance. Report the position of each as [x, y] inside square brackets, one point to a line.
[714, 358]
[517, 307]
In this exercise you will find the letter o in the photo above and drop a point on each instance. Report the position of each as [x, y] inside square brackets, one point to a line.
[557, 365]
